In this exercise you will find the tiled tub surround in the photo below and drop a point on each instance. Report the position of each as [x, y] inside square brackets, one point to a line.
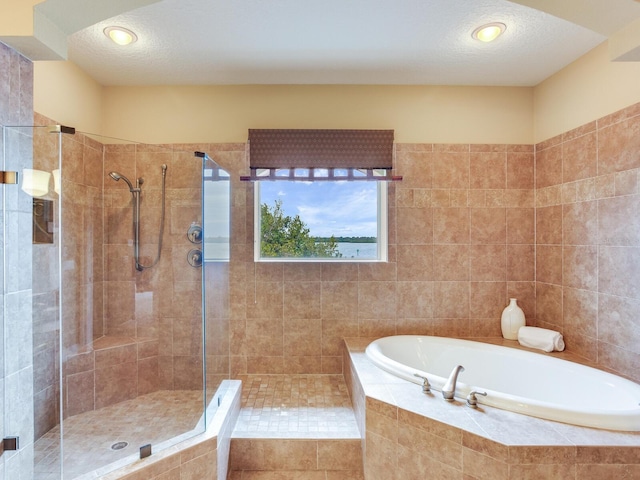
[407, 434]
[588, 240]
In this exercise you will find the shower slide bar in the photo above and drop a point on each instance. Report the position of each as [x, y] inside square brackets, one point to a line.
[136, 193]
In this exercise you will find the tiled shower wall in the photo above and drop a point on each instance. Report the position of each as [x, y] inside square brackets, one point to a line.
[588, 239]
[16, 355]
[461, 242]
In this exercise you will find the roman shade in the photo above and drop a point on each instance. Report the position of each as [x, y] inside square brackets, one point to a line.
[300, 154]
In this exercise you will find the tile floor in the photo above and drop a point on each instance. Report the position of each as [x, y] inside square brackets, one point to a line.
[151, 418]
[295, 406]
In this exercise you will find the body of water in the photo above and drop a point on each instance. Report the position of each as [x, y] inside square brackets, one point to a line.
[358, 250]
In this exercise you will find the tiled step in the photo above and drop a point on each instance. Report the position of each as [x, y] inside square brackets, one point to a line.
[295, 427]
[296, 475]
[295, 406]
[293, 459]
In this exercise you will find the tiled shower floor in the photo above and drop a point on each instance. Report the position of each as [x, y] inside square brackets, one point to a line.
[88, 437]
[295, 406]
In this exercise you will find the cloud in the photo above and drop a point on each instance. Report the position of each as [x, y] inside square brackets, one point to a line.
[329, 208]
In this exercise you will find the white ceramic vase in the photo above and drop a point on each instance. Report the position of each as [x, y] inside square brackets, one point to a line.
[512, 320]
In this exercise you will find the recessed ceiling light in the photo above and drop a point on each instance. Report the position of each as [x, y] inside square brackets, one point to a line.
[489, 32]
[120, 35]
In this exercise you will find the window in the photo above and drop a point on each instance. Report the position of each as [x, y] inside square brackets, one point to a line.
[320, 195]
[329, 220]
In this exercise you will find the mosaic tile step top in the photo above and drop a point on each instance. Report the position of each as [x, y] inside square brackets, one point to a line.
[295, 406]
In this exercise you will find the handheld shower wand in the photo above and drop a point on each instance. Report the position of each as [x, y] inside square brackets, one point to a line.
[118, 176]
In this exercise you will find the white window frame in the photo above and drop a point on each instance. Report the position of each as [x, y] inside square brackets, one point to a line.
[382, 233]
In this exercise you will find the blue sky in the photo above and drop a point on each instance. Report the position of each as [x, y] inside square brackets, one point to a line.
[328, 208]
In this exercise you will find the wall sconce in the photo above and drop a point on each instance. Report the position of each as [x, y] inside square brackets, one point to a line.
[35, 182]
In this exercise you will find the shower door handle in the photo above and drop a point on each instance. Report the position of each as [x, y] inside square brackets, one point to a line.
[8, 177]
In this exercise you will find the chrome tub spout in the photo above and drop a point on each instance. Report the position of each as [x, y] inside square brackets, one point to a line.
[449, 389]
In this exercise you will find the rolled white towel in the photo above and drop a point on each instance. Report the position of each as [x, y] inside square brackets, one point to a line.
[542, 338]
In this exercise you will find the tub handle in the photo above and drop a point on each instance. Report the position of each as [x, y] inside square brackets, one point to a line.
[472, 401]
[426, 386]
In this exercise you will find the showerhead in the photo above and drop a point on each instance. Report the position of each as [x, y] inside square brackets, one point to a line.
[117, 176]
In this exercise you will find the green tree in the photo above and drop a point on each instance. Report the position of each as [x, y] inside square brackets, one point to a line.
[285, 236]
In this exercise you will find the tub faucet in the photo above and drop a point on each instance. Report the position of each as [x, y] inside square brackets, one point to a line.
[449, 389]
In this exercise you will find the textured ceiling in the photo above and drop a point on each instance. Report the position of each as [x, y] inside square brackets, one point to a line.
[331, 42]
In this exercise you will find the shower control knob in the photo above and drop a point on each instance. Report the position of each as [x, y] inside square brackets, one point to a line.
[194, 234]
[194, 257]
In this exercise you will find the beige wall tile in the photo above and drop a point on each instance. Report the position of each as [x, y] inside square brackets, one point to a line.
[549, 166]
[451, 225]
[488, 170]
[616, 266]
[579, 223]
[579, 157]
[618, 146]
[618, 223]
[415, 262]
[487, 299]
[488, 226]
[488, 262]
[451, 169]
[451, 262]
[549, 304]
[549, 225]
[579, 267]
[549, 264]
[414, 226]
[483, 467]
[520, 170]
[520, 263]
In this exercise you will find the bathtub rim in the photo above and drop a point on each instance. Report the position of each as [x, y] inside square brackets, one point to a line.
[627, 420]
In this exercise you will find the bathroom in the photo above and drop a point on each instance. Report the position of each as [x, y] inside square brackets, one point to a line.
[506, 192]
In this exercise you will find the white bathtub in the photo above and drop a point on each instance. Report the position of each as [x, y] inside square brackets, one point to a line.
[515, 380]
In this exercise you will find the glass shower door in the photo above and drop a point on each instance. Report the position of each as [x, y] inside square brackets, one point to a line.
[132, 329]
[99, 359]
[26, 207]
[216, 253]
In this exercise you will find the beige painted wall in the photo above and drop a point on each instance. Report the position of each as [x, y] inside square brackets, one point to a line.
[16, 17]
[192, 114]
[590, 88]
[65, 93]
[224, 113]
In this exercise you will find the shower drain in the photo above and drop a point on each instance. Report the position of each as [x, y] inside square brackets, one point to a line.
[119, 445]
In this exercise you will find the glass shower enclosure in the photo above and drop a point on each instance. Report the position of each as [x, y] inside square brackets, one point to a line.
[104, 280]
